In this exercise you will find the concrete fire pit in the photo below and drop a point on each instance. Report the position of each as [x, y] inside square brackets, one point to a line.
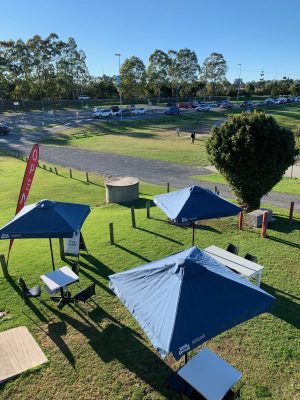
[121, 189]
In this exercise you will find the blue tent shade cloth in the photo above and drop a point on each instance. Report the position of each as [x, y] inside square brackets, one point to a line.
[187, 298]
[46, 219]
[195, 203]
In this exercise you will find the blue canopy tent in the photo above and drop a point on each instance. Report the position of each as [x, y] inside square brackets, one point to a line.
[193, 204]
[183, 300]
[46, 219]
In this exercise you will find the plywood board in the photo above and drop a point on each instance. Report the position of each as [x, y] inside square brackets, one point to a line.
[18, 352]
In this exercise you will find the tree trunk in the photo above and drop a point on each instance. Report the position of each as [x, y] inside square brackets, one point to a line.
[249, 204]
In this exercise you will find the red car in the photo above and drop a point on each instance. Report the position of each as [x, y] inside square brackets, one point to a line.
[188, 104]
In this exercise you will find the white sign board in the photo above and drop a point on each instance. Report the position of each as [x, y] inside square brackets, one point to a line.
[71, 245]
[16, 103]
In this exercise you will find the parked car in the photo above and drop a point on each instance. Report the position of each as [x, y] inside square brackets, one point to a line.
[114, 108]
[213, 104]
[188, 104]
[203, 107]
[184, 105]
[246, 104]
[172, 111]
[138, 111]
[131, 107]
[123, 112]
[4, 130]
[103, 113]
[269, 101]
[83, 97]
[226, 104]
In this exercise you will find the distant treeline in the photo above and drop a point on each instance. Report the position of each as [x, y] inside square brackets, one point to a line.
[51, 69]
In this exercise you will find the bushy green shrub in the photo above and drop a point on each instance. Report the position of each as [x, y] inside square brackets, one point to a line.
[252, 152]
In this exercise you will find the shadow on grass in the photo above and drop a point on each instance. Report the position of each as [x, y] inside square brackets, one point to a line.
[138, 204]
[281, 225]
[133, 253]
[96, 266]
[208, 228]
[118, 342]
[87, 183]
[282, 241]
[27, 302]
[159, 235]
[55, 332]
[92, 278]
[284, 307]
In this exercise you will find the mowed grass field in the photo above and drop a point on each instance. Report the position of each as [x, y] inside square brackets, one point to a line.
[286, 185]
[153, 138]
[106, 355]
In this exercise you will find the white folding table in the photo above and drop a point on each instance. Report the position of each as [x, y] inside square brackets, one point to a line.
[58, 279]
[209, 375]
[239, 264]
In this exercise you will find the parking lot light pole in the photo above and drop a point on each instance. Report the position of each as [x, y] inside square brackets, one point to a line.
[120, 88]
[239, 85]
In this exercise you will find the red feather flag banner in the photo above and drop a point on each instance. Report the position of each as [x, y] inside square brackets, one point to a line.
[26, 184]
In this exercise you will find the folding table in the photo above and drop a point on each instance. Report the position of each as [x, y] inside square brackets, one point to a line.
[239, 264]
[58, 279]
[209, 375]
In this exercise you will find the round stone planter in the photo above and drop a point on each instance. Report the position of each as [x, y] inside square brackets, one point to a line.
[121, 189]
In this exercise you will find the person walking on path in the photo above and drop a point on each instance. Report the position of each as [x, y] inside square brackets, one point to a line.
[178, 130]
[193, 135]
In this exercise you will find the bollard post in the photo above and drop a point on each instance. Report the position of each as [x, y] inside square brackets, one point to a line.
[148, 209]
[44, 166]
[50, 169]
[87, 176]
[61, 248]
[240, 225]
[291, 212]
[70, 173]
[168, 187]
[216, 189]
[4, 266]
[111, 233]
[55, 169]
[264, 225]
[133, 217]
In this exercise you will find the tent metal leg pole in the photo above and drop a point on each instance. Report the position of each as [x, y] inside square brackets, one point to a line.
[193, 244]
[185, 358]
[51, 250]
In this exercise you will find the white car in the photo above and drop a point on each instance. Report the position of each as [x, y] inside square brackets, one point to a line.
[102, 113]
[83, 97]
[137, 111]
[203, 107]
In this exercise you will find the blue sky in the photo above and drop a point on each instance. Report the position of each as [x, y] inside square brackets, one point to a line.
[256, 34]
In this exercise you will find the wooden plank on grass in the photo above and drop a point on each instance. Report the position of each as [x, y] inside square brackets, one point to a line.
[18, 352]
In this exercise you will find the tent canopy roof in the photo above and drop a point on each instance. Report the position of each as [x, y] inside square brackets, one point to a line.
[46, 219]
[187, 298]
[195, 203]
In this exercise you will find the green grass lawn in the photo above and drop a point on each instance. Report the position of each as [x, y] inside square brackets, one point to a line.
[106, 355]
[286, 185]
[153, 138]
[287, 115]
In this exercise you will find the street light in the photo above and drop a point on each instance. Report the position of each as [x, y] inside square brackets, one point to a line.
[239, 83]
[119, 80]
